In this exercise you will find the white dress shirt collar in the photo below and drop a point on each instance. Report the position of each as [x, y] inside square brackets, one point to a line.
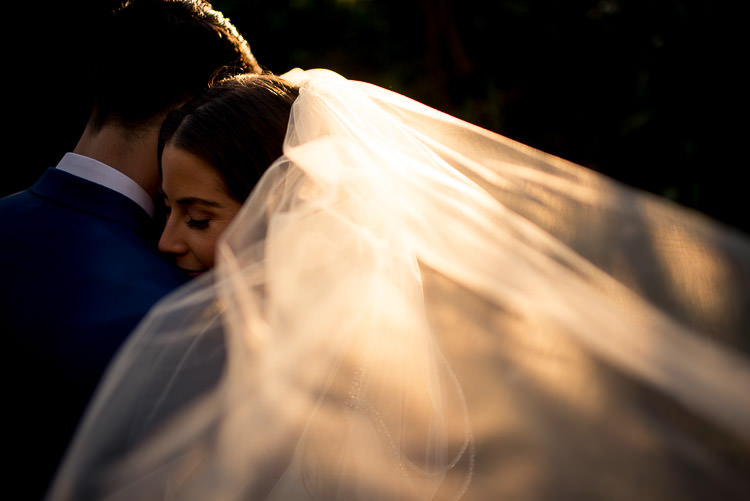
[101, 173]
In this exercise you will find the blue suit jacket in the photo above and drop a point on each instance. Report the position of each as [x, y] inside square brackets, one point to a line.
[82, 269]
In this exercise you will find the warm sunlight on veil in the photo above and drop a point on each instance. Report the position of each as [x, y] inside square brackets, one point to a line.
[411, 307]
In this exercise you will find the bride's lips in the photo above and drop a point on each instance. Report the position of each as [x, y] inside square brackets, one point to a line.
[192, 273]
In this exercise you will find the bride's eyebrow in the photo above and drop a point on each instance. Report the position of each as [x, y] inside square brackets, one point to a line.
[197, 201]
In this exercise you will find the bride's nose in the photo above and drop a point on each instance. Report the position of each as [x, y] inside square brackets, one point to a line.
[171, 240]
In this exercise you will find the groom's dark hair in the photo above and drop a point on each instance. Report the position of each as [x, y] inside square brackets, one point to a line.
[152, 55]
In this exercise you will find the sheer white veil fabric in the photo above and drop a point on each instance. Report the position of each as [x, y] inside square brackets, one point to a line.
[412, 307]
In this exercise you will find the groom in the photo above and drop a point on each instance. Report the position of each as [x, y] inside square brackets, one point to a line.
[80, 244]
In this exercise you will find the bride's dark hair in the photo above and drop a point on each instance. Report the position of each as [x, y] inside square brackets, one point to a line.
[237, 126]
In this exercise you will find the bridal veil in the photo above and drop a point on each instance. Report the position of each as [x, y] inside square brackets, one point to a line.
[411, 307]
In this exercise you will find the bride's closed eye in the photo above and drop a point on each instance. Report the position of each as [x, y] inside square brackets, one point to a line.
[198, 224]
[198, 218]
[195, 222]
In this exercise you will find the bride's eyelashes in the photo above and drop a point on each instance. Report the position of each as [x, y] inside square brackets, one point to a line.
[195, 223]
[198, 219]
[198, 224]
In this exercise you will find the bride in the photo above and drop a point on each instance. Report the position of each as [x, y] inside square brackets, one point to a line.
[411, 307]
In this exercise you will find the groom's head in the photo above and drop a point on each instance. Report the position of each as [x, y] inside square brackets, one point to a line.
[152, 55]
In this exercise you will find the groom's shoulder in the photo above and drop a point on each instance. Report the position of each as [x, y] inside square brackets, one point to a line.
[25, 206]
[107, 247]
[18, 211]
[16, 200]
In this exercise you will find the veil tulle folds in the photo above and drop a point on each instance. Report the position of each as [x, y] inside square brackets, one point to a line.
[411, 307]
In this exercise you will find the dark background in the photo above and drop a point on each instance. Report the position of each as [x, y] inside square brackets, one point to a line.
[648, 92]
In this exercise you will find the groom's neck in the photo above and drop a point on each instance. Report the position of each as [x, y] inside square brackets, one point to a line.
[132, 152]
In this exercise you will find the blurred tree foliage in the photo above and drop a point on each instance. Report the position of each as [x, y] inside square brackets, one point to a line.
[644, 91]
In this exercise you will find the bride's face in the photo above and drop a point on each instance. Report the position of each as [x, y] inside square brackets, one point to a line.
[199, 207]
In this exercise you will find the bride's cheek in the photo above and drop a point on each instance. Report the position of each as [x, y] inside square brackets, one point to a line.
[213, 240]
